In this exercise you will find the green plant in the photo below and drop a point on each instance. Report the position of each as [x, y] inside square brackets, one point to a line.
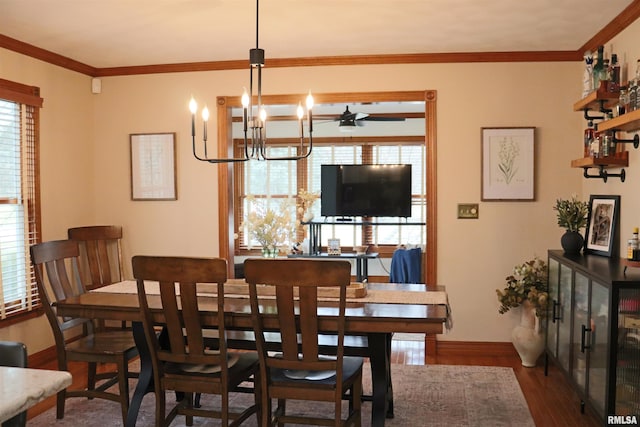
[527, 283]
[572, 214]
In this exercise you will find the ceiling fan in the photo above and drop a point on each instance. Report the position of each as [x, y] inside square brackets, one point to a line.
[348, 121]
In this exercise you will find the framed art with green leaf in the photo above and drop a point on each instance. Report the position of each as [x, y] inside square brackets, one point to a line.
[508, 164]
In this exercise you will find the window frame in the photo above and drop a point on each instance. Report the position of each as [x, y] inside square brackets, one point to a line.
[29, 103]
[230, 175]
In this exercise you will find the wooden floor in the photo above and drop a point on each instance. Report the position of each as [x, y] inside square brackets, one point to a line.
[551, 400]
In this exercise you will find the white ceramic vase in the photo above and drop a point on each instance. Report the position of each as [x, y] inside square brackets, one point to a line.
[527, 337]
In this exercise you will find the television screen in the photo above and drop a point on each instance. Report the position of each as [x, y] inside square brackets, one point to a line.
[365, 190]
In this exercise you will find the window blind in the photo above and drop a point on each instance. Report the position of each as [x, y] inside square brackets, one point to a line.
[276, 181]
[19, 205]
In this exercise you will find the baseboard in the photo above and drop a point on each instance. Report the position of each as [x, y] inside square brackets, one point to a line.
[475, 348]
[41, 358]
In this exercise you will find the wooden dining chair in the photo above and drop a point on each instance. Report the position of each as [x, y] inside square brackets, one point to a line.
[299, 371]
[101, 254]
[57, 276]
[186, 364]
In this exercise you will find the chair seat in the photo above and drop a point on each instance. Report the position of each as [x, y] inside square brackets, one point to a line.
[351, 367]
[239, 365]
[115, 343]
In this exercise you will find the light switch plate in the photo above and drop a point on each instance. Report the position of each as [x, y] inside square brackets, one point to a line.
[467, 211]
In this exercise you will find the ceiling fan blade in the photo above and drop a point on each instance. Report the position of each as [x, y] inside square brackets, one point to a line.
[383, 119]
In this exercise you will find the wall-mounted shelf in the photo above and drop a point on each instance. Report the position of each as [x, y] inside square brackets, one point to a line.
[595, 100]
[621, 160]
[603, 101]
[628, 122]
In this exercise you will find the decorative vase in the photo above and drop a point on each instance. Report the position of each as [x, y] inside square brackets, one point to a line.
[572, 242]
[269, 252]
[527, 338]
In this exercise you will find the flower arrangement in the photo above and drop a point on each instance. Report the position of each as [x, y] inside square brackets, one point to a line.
[306, 200]
[527, 283]
[572, 214]
[273, 229]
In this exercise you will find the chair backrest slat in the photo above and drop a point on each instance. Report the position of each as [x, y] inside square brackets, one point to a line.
[179, 312]
[296, 282]
[102, 247]
[56, 268]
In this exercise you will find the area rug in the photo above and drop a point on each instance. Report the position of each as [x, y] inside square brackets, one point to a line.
[424, 396]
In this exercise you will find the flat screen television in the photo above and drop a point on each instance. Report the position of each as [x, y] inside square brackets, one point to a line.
[365, 190]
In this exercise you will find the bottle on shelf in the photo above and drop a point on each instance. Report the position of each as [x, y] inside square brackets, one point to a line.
[633, 90]
[587, 79]
[633, 246]
[595, 146]
[614, 74]
[622, 101]
[608, 147]
[589, 134]
[598, 68]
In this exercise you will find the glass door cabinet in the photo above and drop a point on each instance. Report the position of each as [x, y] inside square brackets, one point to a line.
[593, 330]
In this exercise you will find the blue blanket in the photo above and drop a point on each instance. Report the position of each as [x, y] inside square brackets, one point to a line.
[406, 266]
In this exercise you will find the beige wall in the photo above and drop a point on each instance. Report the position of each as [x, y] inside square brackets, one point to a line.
[88, 171]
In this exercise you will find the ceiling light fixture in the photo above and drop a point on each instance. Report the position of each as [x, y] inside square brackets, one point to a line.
[254, 118]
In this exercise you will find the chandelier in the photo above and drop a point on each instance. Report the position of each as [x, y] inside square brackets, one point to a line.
[254, 118]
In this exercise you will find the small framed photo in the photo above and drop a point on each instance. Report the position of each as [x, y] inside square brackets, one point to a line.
[153, 166]
[333, 247]
[602, 225]
[508, 164]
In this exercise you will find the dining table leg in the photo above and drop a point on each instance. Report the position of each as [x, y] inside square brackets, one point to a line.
[380, 359]
[145, 378]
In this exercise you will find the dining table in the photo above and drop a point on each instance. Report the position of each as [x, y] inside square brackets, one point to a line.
[386, 308]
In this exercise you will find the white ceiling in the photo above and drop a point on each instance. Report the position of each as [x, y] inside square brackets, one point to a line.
[114, 33]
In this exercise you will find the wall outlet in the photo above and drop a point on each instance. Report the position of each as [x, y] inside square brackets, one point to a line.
[467, 211]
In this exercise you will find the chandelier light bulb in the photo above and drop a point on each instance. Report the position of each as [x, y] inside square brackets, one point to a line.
[263, 114]
[309, 101]
[193, 106]
[245, 99]
[205, 113]
[300, 111]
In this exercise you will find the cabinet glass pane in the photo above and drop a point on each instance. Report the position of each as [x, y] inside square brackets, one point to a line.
[580, 323]
[564, 309]
[552, 312]
[598, 344]
[628, 365]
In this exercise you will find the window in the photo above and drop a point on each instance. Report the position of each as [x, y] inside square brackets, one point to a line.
[19, 199]
[275, 182]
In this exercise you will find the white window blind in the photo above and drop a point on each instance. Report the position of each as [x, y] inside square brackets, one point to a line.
[19, 206]
[275, 181]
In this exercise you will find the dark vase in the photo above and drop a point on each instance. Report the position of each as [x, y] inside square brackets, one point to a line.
[572, 242]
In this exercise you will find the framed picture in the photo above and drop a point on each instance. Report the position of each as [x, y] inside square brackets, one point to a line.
[508, 164]
[153, 166]
[602, 225]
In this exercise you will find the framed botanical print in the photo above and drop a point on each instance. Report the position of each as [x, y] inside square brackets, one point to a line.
[508, 164]
[153, 166]
[602, 225]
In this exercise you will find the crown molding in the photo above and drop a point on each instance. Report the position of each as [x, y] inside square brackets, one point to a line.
[619, 23]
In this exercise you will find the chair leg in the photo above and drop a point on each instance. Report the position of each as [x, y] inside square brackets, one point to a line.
[123, 383]
[91, 375]
[60, 398]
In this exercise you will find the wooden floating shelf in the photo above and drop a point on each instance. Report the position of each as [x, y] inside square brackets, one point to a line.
[627, 122]
[594, 99]
[612, 162]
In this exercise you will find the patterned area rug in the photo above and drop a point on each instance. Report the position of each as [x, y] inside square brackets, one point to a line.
[432, 395]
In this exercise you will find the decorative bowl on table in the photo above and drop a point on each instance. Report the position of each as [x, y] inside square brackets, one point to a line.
[360, 250]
